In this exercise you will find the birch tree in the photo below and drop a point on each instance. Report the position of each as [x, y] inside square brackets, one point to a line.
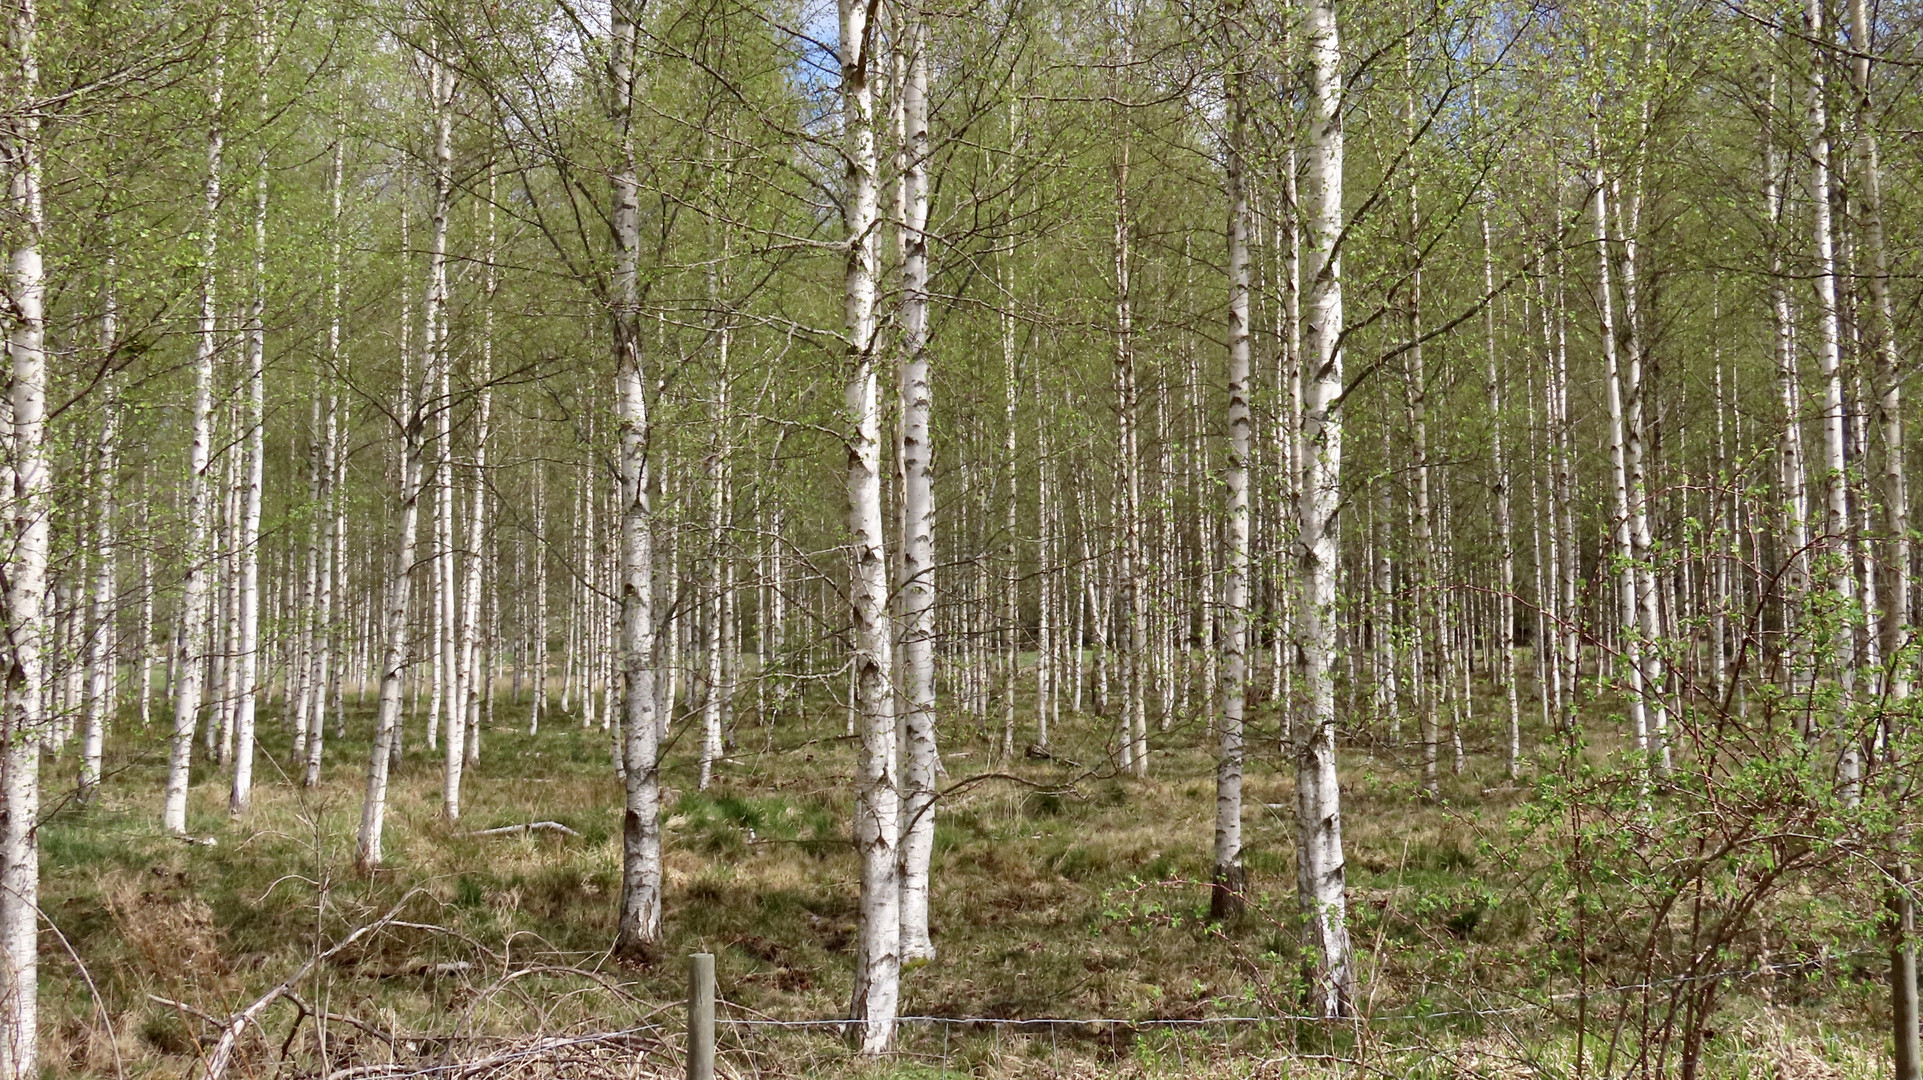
[192, 639]
[1320, 867]
[920, 764]
[877, 790]
[1229, 879]
[28, 482]
[639, 925]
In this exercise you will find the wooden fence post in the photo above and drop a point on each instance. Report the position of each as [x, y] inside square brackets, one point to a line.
[701, 1016]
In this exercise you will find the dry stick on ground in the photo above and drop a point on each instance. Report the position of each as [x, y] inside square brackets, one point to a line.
[532, 826]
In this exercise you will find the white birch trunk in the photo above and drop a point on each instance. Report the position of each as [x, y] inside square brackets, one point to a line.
[192, 639]
[25, 561]
[1792, 463]
[476, 658]
[247, 645]
[1505, 529]
[445, 714]
[539, 662]
[1133, 728]
[1622, 527]
[1321, 871]
[331, 504]
[713, 640]
[639, 926]
[1228, 880]
[470, 673]
[102, 650]
[397, 599]
[1840, 539]
[1893, 558]
[919, 756]
[877, 794]
[1009, 632]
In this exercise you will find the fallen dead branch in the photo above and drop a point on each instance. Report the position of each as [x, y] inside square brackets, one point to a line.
[532, 826]
[215, 1064]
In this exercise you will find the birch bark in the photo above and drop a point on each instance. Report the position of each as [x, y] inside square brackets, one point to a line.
[1320, 867]
[397, 602]
[1228, 881]
[475, 666]
[877, 793]
[329, 562]
[638, 928]
[919, 755]
[101, 645]
[254, 469]
[1894, 559]
[1505, 529]
[1621, 529]
[1840, 539]
[25, 561]
[192, 640]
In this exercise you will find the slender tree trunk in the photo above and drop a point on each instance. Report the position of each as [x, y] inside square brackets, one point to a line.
[919, 755]
[472, 671]
[1840, 540]
[539, 661]
[1892, 496]
[1321, 871]
[192, 640]
[713, 639]
[445, 714]
[1429, 604]
[1133, 732]
[25, 562]
[1228, 880]
[102, 648]
[1505, 529]
[1622, 529]
[330, 505]
[254, 473]
[1009, 632]
[638, 928]
[1791, 459]
[397, 602]
[476, 642]
[877, 793]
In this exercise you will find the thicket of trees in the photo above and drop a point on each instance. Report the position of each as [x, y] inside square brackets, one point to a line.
[1274, 369]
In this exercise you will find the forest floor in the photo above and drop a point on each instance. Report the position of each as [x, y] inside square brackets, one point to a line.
[1059, 892]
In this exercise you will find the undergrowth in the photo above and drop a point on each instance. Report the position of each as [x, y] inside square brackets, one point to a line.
[1060, 891]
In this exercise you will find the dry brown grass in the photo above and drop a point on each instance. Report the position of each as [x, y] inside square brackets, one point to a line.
[1068, 893]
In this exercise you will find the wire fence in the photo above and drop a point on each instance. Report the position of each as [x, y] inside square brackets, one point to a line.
[751, 1045]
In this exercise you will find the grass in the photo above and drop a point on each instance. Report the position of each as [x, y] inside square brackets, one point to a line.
[1066, 893]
